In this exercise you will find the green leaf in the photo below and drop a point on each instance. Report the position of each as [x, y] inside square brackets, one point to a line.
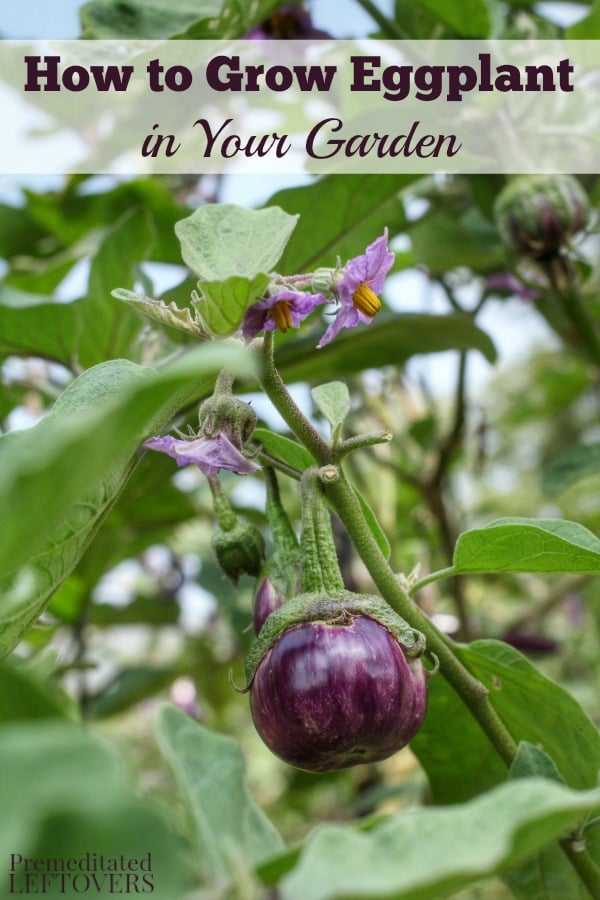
[549, 875]
[67, 796]
[106, 328]
[283, 448]
[388, 341]
[129, 687]
[444, 241]
[588, 28]
[469, 19]
[235, 20]
[31, 325]
[230, 828]
[143, 19]
[340, 215]
[221, 304]
[23, 696]
[573, 465]
[167, 314]
[459, 760]
[531, 760]
[221, 240]
[430, 853]
[73, 465]
[89, 330]
[188, 19]
[528, 545]
[374, 526]
[333, 399]
[537, 710]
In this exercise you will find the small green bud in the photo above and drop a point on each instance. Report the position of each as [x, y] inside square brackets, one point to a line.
[223, 413]
[239, 550]
[322, 280]
[538, 214]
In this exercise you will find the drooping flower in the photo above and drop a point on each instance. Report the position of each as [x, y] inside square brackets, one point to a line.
[282, 311]
[357, 290]
[289, 22]
[507, 283]
[210, 454]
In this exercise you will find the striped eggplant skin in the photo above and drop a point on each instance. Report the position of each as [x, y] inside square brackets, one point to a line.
[328, 696]
[267, 599]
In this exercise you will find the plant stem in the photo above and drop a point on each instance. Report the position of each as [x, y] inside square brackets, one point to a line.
[363, 440]
[428, 579]
[224, 513]
[320, 569]
[294, 418]
[583, 864]
[224, 382]
[274, 463]
[472, 692]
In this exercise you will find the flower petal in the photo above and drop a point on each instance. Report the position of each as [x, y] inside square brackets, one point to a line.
[209, 454]
[379, 262]
[259, 318]
[370, 268]
[347, 317]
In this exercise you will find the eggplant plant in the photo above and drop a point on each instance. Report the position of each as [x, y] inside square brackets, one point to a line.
[299, 577]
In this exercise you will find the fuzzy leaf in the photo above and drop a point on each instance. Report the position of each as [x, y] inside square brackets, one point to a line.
[221, 304]
[426, 854]
[333, 399]
[537, 710]
[61, 478]
[284, 448]
[221, 240]
[230, 828]
[170, 314]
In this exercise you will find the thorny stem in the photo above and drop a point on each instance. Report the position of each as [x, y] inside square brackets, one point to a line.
[472, 692]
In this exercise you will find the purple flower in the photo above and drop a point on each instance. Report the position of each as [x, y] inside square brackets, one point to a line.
[285, 310]
[289, 22]
[210, 454]
[359, 286]
[508, 283]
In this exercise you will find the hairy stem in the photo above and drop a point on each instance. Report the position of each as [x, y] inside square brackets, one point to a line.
[472, 692]
[579, 857]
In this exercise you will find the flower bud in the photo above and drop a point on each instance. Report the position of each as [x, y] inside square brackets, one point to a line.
[225, 414]
[239, 550]
[538, 214]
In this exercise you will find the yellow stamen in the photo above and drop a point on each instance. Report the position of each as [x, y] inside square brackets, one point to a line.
[366, 301]
[282, 315]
